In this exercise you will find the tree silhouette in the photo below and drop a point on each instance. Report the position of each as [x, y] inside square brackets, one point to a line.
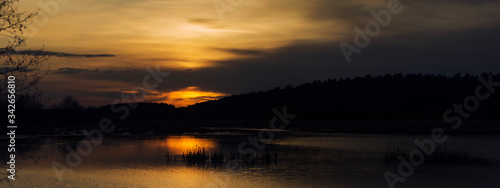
[69, 103]
[24, 66]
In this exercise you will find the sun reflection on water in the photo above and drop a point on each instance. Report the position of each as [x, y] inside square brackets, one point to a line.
[181, 144]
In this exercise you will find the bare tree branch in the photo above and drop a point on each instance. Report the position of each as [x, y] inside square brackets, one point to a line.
[26, 67]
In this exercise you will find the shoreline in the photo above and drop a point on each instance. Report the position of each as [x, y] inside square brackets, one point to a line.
[331, 126]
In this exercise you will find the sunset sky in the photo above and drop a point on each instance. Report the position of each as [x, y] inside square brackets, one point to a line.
[258, 45]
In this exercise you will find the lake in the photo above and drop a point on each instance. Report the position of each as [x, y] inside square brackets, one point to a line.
[294, 159]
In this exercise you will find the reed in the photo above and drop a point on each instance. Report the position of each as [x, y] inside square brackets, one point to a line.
[443, 154]
[201, 157]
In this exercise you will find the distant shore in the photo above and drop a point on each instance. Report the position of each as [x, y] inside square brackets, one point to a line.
[336, 126]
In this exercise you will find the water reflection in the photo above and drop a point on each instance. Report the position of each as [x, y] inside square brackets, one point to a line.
[178, 145]
[207, 153]
[303, 161]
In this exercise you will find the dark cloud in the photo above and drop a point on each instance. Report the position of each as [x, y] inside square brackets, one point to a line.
[245, 52]
[163, 59]
[350, 12]
[416, 16]
[68, 70]
[4, 70]
[72, 70]
[61, 54]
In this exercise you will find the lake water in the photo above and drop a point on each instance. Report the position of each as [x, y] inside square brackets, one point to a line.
[304, 159]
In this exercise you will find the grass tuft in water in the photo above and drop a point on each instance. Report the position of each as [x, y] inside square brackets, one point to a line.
[443, 154]
[201, 157]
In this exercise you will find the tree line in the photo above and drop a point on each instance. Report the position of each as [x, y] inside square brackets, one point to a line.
[387, 97]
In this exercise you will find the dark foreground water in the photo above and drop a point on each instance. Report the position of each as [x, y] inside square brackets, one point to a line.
[303, 160]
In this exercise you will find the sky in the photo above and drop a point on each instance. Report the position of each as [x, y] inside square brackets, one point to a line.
[99, 48]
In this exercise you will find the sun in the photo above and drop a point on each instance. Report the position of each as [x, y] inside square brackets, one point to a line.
[188, 96]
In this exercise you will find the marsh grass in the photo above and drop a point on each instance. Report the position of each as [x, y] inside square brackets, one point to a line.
[443, 154]
[201, 157]
[198, 157]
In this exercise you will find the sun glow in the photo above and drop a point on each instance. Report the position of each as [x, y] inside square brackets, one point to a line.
[189, 96]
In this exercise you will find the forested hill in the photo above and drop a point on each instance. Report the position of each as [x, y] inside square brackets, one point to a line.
[399, 96]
